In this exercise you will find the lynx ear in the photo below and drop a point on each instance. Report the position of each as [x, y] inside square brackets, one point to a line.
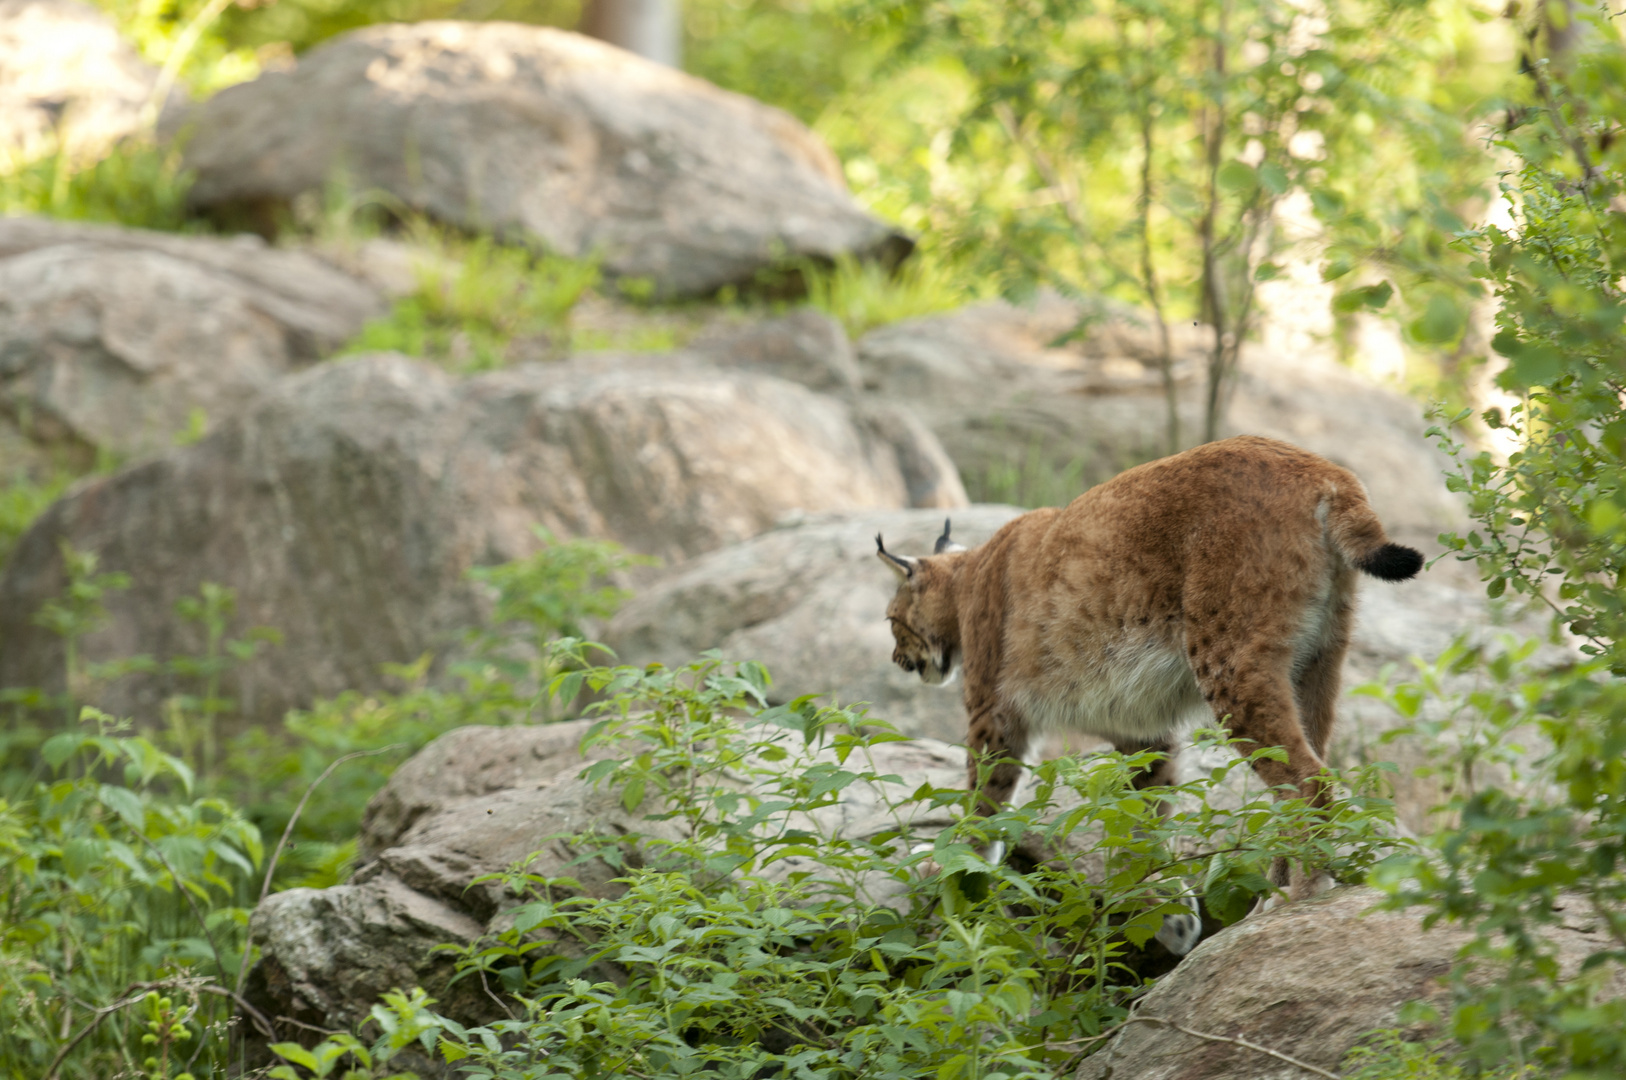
[944, 544]
[903, 565]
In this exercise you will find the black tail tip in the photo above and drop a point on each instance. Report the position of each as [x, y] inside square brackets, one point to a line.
[1393, 562]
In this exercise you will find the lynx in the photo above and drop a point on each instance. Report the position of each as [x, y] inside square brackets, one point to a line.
[1219, 582]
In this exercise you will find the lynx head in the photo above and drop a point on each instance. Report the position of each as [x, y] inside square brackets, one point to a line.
[924, 617]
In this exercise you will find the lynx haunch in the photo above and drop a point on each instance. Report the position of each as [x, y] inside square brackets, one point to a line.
[1218, 583]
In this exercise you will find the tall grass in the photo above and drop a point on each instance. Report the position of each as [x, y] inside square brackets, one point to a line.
[481, 304]
[865, 295]
[136, 184]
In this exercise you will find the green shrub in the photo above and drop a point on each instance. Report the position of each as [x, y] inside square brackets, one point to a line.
[1550, 527]
[22, 499]
[864, 295]
[120, 888]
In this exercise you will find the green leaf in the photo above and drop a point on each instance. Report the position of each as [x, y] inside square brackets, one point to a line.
[1441, 322]
[1364, 298]
[59, 748]
[295, 1053]
[1336, 267]
[1238, 177]
[125, 803]
[1274, 177]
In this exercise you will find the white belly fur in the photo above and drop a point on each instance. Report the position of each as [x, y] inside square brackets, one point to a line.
[1143, 692]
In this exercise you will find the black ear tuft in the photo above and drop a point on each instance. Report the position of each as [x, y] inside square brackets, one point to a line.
[906, 567]
[943, 541]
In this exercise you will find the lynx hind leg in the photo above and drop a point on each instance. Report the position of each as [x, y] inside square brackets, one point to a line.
[1318, 675]
[1248, 680]
[1251, 691]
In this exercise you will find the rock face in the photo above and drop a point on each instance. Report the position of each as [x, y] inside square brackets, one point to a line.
[990, 382]
[804, 346]
[67, 80]
[347, 504]
[543, 135]
[110, 338]
[1309, 980]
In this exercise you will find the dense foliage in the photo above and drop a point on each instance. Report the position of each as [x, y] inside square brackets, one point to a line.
[129, 861]
[1522, 855]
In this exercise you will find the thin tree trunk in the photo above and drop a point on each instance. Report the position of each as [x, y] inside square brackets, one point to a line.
[1213, 288]
[1154, 293]
[652, 29]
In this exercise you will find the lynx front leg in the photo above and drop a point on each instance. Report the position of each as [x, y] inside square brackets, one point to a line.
[995, 742]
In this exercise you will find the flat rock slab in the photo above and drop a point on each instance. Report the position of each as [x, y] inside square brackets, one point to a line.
[111, 338]
[347, 505]
[543, 135]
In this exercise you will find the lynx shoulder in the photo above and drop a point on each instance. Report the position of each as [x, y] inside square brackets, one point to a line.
[1214, 585]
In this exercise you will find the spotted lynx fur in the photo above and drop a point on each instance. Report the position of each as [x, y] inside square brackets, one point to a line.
[1217, 584]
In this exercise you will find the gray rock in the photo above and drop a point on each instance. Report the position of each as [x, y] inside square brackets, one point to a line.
[466, 763]
[538, 134]
[110, 338]
[995, 386]
[804, 346]
[1309, 980]
[347, 504]
[67, 80]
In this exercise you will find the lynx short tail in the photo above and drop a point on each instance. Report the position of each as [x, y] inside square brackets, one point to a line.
[1360, 537]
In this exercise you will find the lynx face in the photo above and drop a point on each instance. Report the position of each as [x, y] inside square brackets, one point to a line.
[914, 651]
[925, 624]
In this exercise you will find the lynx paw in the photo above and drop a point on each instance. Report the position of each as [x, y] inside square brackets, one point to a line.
[1180, 933]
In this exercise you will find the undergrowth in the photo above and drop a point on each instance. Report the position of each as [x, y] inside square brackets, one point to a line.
[131, 854]
[755, 933]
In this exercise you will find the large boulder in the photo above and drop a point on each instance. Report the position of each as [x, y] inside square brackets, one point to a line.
[68, 82]
[1003, 385]
[1309, 980]
[346, 506]
[543, 135]
[111, 339]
